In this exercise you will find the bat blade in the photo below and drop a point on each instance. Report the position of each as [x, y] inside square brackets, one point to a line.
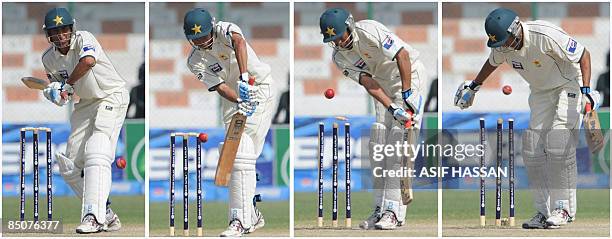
[229, 150]
[35, 83]
[406, 181]
[230, 147]
[592, 126]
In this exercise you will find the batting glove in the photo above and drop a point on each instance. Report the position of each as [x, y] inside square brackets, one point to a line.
[67, 91]
[591, 97]
[247, 108]
[464, 97]
[399, 114]
[246, 91]
[413, 101]
[53, 93]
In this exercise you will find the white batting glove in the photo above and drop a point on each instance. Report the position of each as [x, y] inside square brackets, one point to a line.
[67, 91]
[246, 91]
[412, 100]
[399, 113]
[53, 93]
[247, 108]
[464, 97]
[590, 97]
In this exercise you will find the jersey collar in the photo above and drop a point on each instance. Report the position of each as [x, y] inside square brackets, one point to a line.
[526, 36]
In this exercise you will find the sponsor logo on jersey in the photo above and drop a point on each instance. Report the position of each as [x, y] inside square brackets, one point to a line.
[572, 45]
[537, 63]
[360, 64]
[517, 65]
[89, 48]
[388, 42]
[215, 67]
[64, 74]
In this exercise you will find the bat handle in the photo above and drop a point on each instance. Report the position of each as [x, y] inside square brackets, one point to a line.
[408, 123]
[251, 80]
[588, 108]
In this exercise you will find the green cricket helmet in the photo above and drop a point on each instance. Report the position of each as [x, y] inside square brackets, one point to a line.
[55, 20]
[333, 23]
[198, 23]
[501, 24]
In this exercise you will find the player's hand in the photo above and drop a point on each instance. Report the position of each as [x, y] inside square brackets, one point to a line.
[247, 108]
[66, 92]
[590, 97]
[399, 113]
[53, 93]
[412, 100]
[246, 90]
[464, 97]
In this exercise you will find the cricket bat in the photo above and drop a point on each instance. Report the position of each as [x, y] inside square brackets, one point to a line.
[406, 181]
[225, 165]
[592, 126]
[35, 83]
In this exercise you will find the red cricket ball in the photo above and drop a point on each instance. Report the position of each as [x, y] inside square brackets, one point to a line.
[121, 163]
[203, 137]
[507, 90]
[329, 93]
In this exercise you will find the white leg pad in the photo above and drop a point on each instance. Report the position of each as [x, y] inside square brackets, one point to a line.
[72, 176]
[243, 183]
[377, 137]
[97, 176]
[401, 214]
[392, 206]
[220, 147]
[561, 149]
[392, 185]
[535, 163]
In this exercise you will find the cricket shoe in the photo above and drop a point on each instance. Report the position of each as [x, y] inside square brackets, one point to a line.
[89, 225]
[112, 222]
[259, 223]
[368, 224]
[557, 218]
[538, 221]
[235, 229]
[401, 223]
[388, 221]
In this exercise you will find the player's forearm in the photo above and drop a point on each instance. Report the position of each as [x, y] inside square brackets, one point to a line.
[485, 72]
[241, 52]
[227, 92]
[374, 89]
[405, 69]
[84, 65]
[585, 68]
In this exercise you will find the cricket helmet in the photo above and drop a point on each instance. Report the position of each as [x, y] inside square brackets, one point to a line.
[500, 24]
[334, 22]
[198, 23]
[56, 18]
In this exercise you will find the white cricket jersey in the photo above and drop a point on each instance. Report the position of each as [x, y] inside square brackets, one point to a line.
[374, 50]
[219, 64]
[100, 81]
[549, 57]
